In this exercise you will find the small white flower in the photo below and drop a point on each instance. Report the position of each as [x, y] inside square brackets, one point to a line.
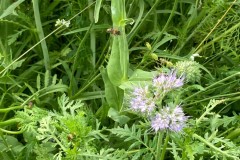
[194, 55]
[62, 22]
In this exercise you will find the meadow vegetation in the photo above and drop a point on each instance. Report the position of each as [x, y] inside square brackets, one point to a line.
[119, 79]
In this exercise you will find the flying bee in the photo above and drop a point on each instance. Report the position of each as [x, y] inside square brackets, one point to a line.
[113, 31]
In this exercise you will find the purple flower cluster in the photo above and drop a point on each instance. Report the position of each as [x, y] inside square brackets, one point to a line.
[145, 100]
[167, 118]
[142, 100]
[166, 82]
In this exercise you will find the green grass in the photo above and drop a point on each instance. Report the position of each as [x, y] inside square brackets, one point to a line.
[65, 91]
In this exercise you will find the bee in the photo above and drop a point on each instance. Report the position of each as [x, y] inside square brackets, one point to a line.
[71, 136]
[113, 31]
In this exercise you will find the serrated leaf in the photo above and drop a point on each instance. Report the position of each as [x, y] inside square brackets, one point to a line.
[12, 38]
[38, 82]
[46, 78]
[54, 79]
[65, 51]
[16, 64]
[11, 8]
[135, 145]
[30, 88]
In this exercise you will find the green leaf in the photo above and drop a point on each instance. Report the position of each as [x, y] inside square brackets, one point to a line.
[168, 37]
[117, 67]
[97, 10]
[11, 8]
[117, 117]
[13, 38]
[114, 95]
[38, 82]
[138, 77]
[46, 78]
[140, 15]
[15, 64]
[10, 143]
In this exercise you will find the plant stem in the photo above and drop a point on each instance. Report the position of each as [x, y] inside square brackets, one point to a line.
[164, 147]
[166, 25]
[214, 84]
[10, 122]
[73, 83]
[11, 108]
[159, 143]
[234, 134]
[198, 49]
[41, 34]
[92, 36]
[143, 20]
[2, 71]
[11, 132]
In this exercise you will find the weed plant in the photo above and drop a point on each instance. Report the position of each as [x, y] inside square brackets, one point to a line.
[116, 79]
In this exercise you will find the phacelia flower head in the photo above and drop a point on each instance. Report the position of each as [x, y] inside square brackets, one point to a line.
[167, 82]
[191, 70]
[168, 118]
[142, 100]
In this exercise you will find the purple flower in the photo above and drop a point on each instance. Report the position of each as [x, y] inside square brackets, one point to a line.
[167, 82]
[142, 100]
[167, 118]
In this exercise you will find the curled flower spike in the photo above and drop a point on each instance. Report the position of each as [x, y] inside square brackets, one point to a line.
[167, 118]
[142, 100]
[167, 82]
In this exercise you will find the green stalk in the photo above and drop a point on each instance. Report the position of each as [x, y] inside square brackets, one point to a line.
[213, 105]
[92, 36]
[11, 132]
[2, 71]
[10, 122]
[41, 34]
[166, 25]
[143, 20]
[234, 134]
[223, 96]
[85, 86]
[217, 83]
[5, 110]
[73, 83]
[199, 49]
[159, 143]
[195, 31]
[164, 147]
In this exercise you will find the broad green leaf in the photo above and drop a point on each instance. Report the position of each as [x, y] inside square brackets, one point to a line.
[117, 117]
[114, 95]
[114, 71]
[138, 78]
[140, 75]
[118, 62]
